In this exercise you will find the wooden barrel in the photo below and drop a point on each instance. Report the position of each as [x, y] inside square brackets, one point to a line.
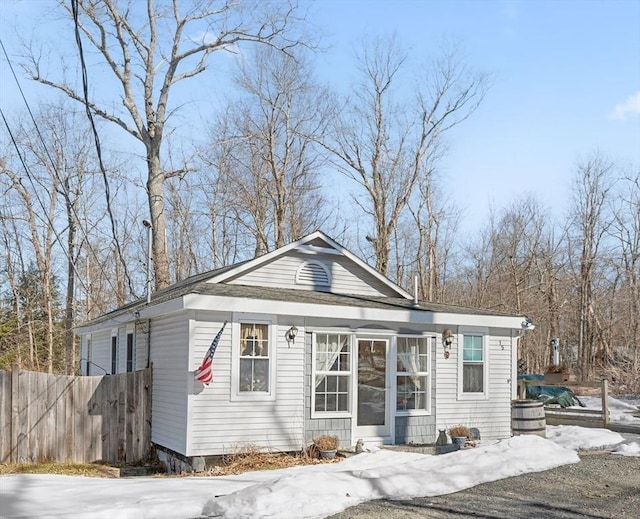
[527, 417]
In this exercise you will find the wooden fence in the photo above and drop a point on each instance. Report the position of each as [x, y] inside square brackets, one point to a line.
[574, 416]
[74, 419]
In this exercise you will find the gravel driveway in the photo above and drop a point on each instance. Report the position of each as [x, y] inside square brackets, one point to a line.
[601, 485]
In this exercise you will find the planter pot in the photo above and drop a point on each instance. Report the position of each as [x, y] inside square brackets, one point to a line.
[459, 440]
[328, 454]
[445, 449]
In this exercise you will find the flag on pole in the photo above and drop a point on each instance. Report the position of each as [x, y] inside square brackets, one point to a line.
[205, 372]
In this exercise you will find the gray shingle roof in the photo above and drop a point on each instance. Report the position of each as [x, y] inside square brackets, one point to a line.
[198, 285]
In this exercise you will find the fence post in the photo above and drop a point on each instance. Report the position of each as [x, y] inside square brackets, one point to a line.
[13, 447]
[605, 402]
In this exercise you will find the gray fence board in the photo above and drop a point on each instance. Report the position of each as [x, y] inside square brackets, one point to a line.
[74, 419]
[5, 416]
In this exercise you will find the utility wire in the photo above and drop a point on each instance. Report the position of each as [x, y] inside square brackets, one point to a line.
[85, 88]
[35, 192]
[57, 174]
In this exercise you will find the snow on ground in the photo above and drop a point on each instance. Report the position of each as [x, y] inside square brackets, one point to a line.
[582, 438]
[311, 491]
[621, 409]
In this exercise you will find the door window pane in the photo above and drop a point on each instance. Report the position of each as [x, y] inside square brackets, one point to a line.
[372, 370]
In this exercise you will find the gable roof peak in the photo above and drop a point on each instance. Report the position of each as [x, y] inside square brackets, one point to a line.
[306, 243]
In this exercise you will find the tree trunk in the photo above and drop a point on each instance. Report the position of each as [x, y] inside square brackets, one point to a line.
[155, 191]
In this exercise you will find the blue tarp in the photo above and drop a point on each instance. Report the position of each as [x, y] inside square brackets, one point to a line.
[560, 395]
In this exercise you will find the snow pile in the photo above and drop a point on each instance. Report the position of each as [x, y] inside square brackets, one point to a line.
[307, 491]
[582, 438]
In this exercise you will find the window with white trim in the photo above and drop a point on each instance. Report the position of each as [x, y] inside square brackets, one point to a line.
[473, 363]
[255, 358]
[114, 352]
[412, 374]
[89, 355]
[331, 373]
[130, 352]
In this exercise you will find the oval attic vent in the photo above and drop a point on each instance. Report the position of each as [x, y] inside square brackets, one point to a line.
[313, 273]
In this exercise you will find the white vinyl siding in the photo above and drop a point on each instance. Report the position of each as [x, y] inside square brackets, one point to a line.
[345, 276]
[220, 424]
[101, 352]
[170, 357]
[492, 415]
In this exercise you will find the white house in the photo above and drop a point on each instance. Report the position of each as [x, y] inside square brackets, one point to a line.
[317, 342]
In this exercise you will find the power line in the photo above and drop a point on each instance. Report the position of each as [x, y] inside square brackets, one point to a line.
[85, 89]
[35, 192]
[29, 175]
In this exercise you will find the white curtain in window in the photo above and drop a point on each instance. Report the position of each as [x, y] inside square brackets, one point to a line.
[324, 360]
[473, 378]
[253, 340]
[408, 357]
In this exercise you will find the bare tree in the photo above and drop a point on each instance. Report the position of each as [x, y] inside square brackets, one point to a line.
[551, 267]
[424, 241]
[13, 260]
[476, 279]
[147, 52]
[592, 185]
[626, 232]
[184, 257]
[384, 145]
[267, 140]
[37, 210]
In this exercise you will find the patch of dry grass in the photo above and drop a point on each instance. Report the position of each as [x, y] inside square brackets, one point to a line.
[244, 459]
[251, 458]
[50, 467]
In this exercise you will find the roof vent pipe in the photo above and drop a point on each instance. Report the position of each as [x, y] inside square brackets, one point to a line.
[415, 290]
[149, 227]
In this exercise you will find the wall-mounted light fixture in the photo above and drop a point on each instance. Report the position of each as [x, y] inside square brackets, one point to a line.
[447, 341]
[527, 324]
[291, 334]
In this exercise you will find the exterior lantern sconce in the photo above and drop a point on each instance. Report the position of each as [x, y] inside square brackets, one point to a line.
[291, 334]
[447, 341]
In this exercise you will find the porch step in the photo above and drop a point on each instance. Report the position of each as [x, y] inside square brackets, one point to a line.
[127, 472]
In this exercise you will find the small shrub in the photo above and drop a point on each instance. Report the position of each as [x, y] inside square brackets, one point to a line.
[460, 431]
[326, 442]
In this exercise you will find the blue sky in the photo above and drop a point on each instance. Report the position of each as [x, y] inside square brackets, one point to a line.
[562, 74]
[559, 70]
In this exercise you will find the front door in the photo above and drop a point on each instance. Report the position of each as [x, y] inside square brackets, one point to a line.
[373, 419]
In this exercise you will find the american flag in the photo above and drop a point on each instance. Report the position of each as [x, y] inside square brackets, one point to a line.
[205, 372]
